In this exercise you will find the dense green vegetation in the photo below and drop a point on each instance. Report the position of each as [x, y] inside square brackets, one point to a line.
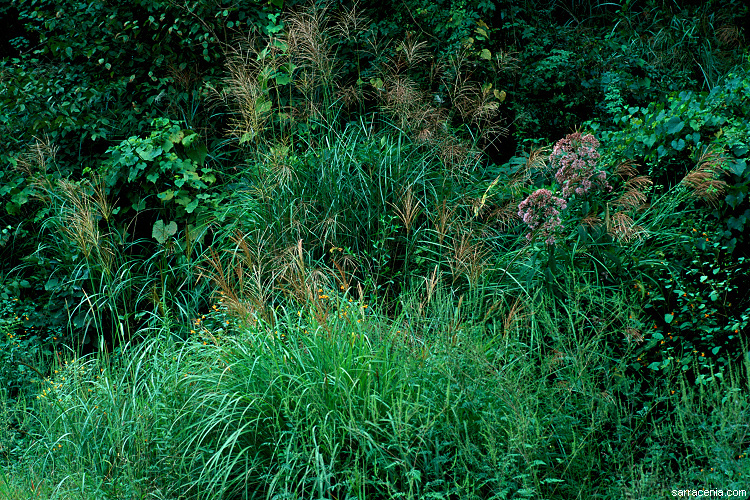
[435, 249]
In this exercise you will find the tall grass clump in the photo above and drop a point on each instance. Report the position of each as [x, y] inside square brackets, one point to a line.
[106, 279]
[339, 409]
[372, 189]
[92, 273]
[102, 425]
[361, 406]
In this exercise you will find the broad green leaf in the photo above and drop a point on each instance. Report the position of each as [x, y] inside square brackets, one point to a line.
[190, 207]
[674, 125]
[737, 167]
[51, 284]
[161, 232]
[263, 107]
[176, 135]
[188, 137]
[139, 205]
[197, 152]
[148, 152]
[166, 195]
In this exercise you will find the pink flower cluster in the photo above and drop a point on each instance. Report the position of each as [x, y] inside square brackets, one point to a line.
[575, 158]
[541, 210]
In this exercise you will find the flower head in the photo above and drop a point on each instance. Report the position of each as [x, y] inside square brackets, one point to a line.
[541, 211]
[576, 157]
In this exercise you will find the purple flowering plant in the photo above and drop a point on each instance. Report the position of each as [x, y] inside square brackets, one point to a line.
[575, 162]
[575, 157]
[541, 212]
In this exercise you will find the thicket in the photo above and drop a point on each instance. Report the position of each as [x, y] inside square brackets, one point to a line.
[425, 250]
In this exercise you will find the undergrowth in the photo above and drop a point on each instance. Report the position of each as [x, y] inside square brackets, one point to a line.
[354, 303]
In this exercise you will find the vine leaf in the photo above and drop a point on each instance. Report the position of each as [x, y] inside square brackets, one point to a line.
[161, 232]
